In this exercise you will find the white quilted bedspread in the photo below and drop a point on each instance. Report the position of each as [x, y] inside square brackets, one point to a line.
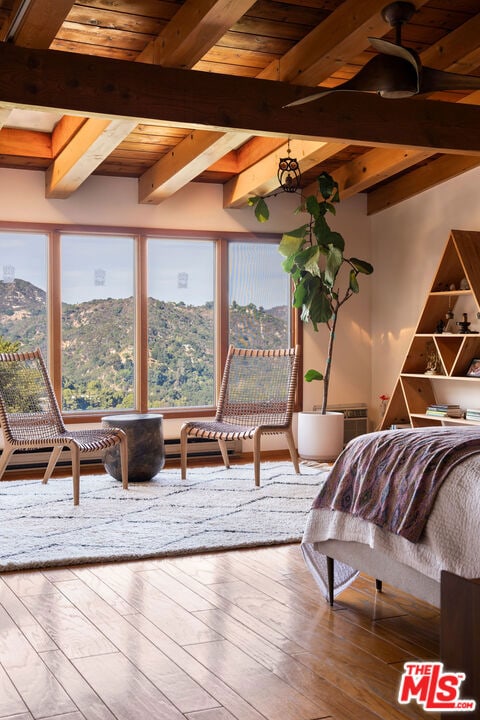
[451, 540]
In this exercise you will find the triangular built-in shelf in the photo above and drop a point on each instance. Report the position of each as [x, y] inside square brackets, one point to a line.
[433, 353]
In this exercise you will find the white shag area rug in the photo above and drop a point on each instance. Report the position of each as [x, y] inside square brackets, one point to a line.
[213, 509]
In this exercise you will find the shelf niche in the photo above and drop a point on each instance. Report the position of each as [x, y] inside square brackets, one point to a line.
[415, 388]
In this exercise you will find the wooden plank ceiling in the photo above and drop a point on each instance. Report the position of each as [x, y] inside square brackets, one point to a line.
[302, 42]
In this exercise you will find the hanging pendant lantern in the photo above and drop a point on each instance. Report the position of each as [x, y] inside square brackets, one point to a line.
[289, 173]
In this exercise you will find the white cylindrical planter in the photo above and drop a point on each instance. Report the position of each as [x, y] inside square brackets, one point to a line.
[320, 437]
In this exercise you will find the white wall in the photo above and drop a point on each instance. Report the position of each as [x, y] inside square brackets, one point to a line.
[408, 242]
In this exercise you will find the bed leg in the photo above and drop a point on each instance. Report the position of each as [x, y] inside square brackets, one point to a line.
[378, 585]
[330, 579]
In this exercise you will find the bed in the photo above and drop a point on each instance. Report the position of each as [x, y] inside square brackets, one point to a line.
[450, 539]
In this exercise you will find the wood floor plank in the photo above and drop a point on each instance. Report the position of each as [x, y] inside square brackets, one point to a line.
[42, 694]
[126, 691]
[11, 702]
[175, 590]
[87, 701]
[21, 716]
[216, 714]
[225, 695]
[24, 583]
[273, 634]
[168, 677]
[375, 605]
[160, 609]
[379, 694]
[288, 668]
[103, 590]
[24, 619]
[270, 695]
[73, 633]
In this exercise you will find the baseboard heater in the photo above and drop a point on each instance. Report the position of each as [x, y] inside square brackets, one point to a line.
[197, 448]
[356, 419]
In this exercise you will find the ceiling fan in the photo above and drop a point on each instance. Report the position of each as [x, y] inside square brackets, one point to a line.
[397, 71]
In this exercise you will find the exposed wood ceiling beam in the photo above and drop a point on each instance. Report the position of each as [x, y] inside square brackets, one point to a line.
[339, 38]
[261, 178]
[25, 143]
[162, 180]
[422, 178]
[163, 96]
[193, 31]
[33, 23]
[40, 22]
[379, 164]
[80, 157]
[196, 26]
[4, 115]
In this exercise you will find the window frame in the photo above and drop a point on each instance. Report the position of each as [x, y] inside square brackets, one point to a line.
[140, 237]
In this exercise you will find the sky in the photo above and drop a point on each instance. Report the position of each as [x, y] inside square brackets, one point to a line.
[178, 271]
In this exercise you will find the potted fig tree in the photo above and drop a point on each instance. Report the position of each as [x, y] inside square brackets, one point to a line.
[324, 279]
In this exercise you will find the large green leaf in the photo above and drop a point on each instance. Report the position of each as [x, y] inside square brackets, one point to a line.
[261, 210]
[312, 206]
[299, 295]
[321, 230]
[354, 282]
[305, 257]
[334, 263]
[327, 186]
[292, 241]
[319, 308]
[311, 265]
[313, 375]
[336, 240]
[289, 264]
[362, 266]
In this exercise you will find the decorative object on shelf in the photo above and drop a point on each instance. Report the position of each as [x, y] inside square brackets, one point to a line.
[452, 287]
[474, 368]
[464, 284]
[383, 404]
[315, 261]
[288, 173]
[464, 326]
[433, 361]
[440, 327]
[450, 326]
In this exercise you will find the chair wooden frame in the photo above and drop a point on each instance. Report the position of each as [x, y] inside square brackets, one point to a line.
[31, 419]
[246, 418]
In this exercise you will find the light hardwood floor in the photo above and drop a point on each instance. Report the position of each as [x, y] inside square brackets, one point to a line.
[242, 634]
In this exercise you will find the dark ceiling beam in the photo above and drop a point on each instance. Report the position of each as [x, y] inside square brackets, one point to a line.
[80, 84]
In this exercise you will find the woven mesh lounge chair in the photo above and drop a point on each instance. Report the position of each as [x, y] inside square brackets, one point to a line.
[256, 397]
[30, 418]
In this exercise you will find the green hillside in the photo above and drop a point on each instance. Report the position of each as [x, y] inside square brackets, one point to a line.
[98, 341]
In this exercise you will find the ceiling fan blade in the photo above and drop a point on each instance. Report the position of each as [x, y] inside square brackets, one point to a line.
[388, 48]
[386, 75]
[433, 80]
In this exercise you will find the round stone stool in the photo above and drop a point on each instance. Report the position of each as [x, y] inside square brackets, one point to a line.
[146, 450]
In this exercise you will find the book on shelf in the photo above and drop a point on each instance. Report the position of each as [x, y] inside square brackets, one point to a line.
[453, 411]
[472, 414]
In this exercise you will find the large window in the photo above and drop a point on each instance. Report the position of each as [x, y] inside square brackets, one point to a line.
[140, 321]
[181, 323]
[97, 322]
[258, 297]
[23, 288]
